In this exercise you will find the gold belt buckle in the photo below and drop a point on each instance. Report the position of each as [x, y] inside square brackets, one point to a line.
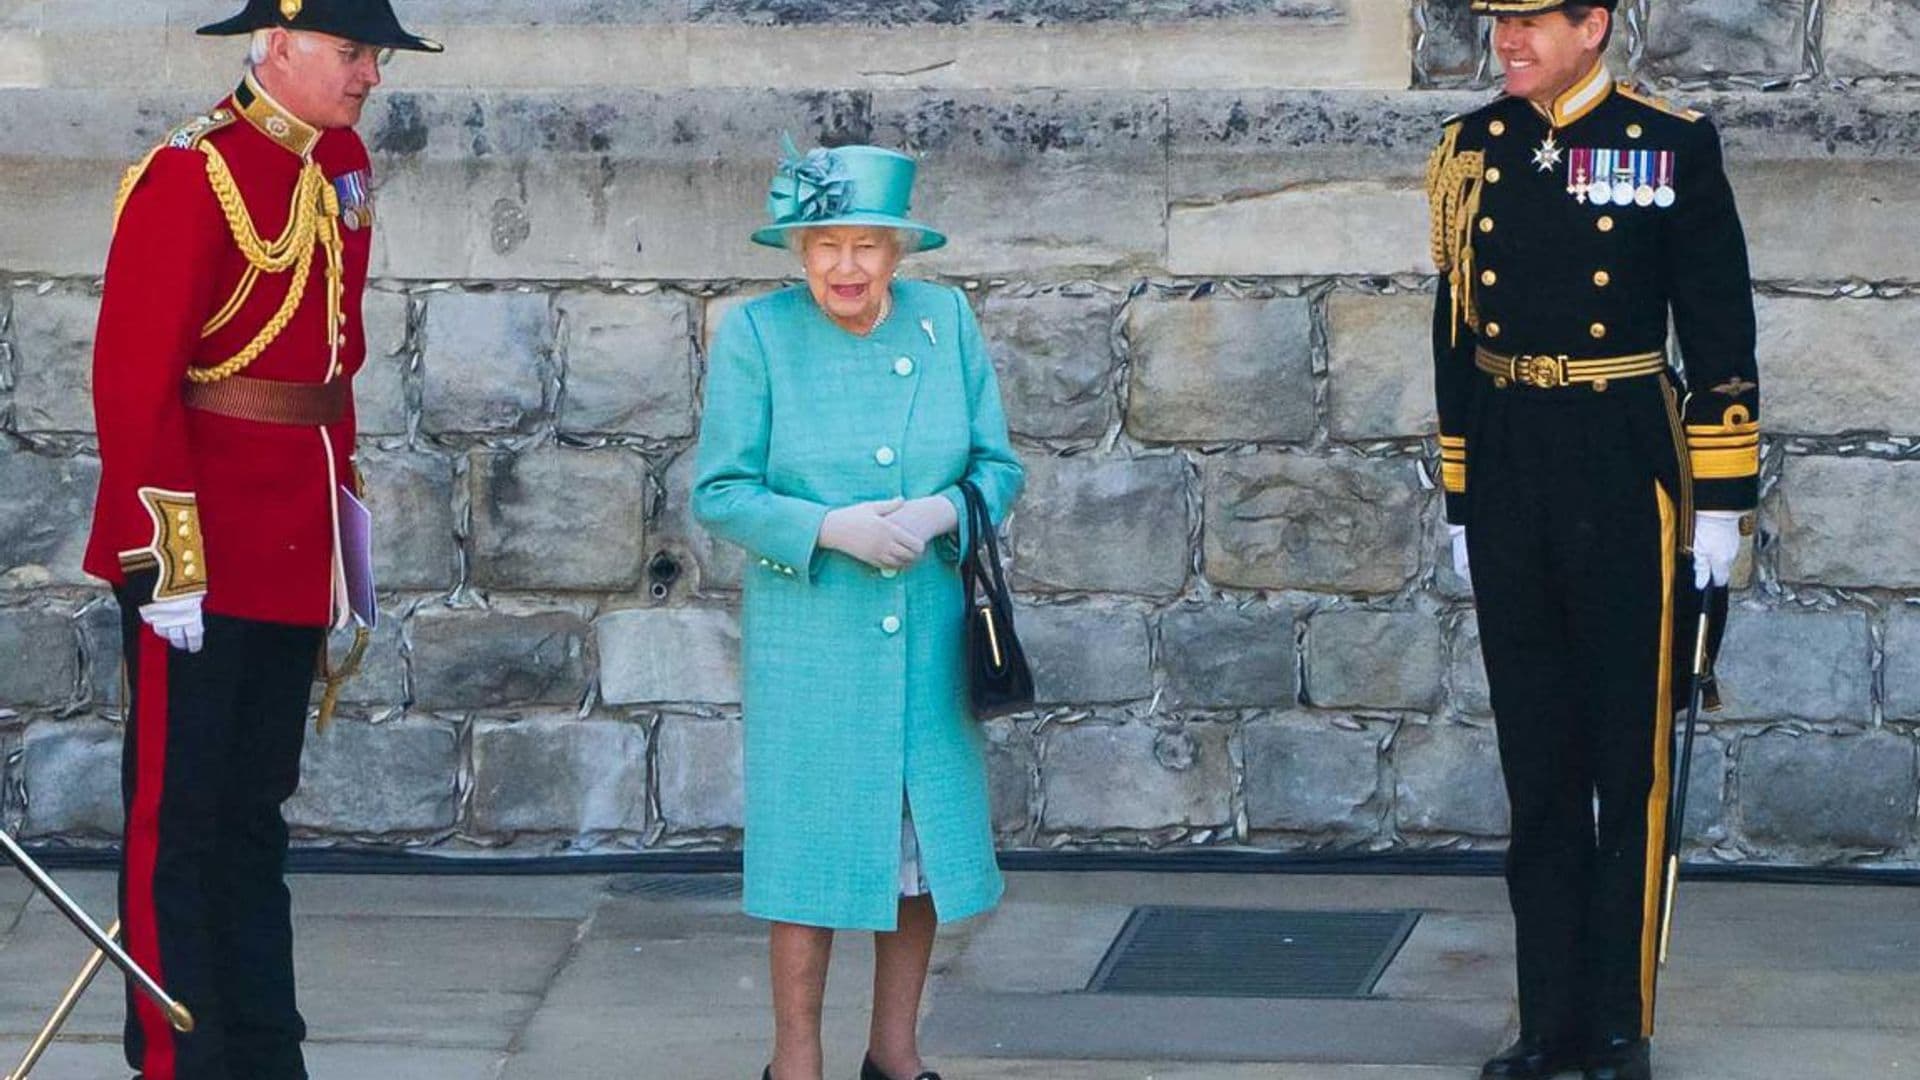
[1543, 372]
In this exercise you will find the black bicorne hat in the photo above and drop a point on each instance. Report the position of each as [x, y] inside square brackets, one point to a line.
[369, 22]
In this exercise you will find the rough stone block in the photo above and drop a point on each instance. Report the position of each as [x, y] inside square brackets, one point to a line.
[382, 679]
[1719, 37]
[1131, 776]
[1223, 657]
[1902, 667]
[1287, 521]
[1082, 654]
[669, 654]
[53, 360]
[698, 767]
[1869, 229]
[1788, 794]
[1448, 780]
[1807, 665]
[1853, 338]
[42, 658]
[1055, 361]
[707, 565]
[1095, 160]
[629, 364]
[1379, 365]
[1307, 774]
[1869, 37]
[1131, 511]
[400, 776]
[411, 496]
[46, 512]
[1449, 47]
[71, 770]
[494, 659]
[1011, 761]
[1707, 790]
[1849, 522]
[559, 519]
[1219, 370]
[1373, 659]
[1467, 668]
[1353, 227]
[380, 388]
[99, 626]
[487, 359]
[559, 775]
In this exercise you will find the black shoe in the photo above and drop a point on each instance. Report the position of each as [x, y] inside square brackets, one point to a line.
[870, 1071]
[1531, 1059]
[1621, 1058]
[766, 1073]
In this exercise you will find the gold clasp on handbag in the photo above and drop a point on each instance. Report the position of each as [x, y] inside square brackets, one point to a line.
[993, 636]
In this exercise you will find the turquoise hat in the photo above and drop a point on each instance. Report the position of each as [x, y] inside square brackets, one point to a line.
[847, 185]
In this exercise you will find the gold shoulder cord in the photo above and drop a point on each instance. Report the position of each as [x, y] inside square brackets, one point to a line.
[312, 221]
[1454, 181]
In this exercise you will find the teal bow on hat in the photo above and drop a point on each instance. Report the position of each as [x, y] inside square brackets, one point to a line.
[847, 185]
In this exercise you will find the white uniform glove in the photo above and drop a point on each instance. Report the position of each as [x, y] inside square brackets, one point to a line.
[178, 620]
[1716, 543]
[863, 531]
[1458, 535]
[926, 518]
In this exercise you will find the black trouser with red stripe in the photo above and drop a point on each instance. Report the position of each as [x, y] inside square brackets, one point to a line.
[212, 750]
[1576, 514]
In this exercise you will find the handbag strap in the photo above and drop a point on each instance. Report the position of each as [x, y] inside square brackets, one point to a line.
[982, 537]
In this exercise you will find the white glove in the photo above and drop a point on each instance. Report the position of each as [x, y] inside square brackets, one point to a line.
[1716, 543]
[863, 531]
[926, 518]
[178, 620]
[1458, 535]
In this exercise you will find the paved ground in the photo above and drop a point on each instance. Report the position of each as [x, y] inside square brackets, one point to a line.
[488, 978]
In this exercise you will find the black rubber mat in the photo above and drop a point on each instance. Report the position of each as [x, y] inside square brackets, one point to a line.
[1252, 952]
[677, 886]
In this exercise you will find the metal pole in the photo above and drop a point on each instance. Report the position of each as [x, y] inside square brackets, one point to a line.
[62, 1011]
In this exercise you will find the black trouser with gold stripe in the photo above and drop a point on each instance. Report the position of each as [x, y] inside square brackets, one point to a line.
[1576, 511]
[212, 750]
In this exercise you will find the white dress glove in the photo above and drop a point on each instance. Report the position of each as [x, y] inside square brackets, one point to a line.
[926, 518]
[1716, 543]
[863, 531]
[178, 620]
[1458, 535]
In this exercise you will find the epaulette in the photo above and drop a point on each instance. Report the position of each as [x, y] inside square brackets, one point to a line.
[188, 135]
[1634, 93]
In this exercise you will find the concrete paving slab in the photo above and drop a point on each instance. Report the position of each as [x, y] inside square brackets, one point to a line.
[1002, 1069]
[1314, 891]
[325, 1061]
[97, 891]
[37, 961]
[1453, 957]
[435, 896]
[1073, 938]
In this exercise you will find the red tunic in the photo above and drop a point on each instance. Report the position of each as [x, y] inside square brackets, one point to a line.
[264, 492]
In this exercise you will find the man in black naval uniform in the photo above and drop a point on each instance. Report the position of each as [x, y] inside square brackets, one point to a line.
[1592, 481]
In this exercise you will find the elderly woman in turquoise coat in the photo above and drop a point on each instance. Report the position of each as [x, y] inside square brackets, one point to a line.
[841, 416]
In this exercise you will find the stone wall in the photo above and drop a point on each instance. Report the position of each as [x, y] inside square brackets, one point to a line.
[1195, 234]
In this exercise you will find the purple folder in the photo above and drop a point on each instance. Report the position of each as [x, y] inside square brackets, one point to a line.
[356, 557]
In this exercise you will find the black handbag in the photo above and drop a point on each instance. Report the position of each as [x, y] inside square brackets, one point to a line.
[998, 678]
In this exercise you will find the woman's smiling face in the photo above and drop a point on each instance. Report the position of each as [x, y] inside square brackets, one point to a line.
[848, 270]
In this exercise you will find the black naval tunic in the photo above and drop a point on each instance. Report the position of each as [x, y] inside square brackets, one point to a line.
[1575, 449]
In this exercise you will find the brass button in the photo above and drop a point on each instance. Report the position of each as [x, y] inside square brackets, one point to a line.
[1599, 386]
[1605, 224]
[1488, 277]
[1493, 174]
[1498, 127]
[1486, 224]
[1601, 279]
[1633, 131]
[1493, 329]
[1598, 330]
[1499, 382]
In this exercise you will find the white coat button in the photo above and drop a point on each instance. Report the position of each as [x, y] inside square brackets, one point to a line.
[889, 572]
[884, 455]
[891, 624]
[903, 366]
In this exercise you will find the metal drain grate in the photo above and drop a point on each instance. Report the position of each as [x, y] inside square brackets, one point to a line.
[677, 886]
[1252, 952]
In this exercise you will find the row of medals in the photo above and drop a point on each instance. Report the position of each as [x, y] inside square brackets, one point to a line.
[1620, 191]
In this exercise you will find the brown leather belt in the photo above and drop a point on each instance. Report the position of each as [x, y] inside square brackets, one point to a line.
[1546, 372]
[269, 402]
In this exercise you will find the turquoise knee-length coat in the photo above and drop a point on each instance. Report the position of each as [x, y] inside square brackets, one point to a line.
[853, 688]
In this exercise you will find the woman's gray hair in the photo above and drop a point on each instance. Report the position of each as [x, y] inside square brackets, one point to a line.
[905, 241]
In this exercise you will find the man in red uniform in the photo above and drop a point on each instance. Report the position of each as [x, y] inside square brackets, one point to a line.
[229, 335]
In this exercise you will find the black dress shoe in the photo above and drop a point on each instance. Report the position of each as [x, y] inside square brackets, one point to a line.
[870, 1071]
[1621, 1058]
[766, 1073]
[1530, 1058]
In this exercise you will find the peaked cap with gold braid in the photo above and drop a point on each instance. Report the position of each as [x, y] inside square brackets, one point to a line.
[1532, 7]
